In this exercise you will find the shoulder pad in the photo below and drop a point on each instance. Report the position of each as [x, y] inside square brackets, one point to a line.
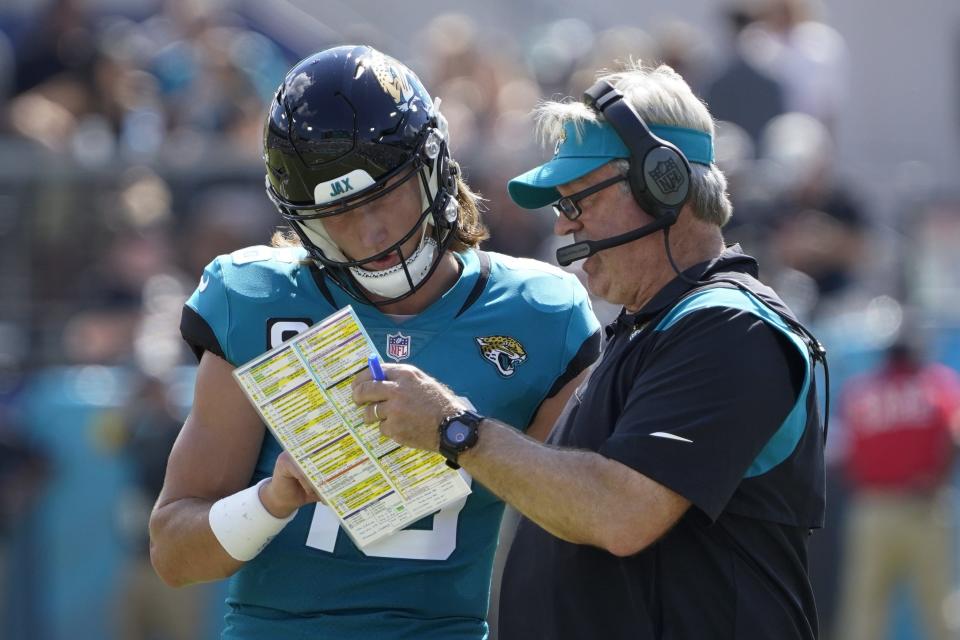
[528, 264]
[261, 253]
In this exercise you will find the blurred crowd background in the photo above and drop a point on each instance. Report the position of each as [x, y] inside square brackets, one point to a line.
[130, 136]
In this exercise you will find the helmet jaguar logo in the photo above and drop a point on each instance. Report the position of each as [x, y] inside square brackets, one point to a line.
[392, 78]
[504, 352]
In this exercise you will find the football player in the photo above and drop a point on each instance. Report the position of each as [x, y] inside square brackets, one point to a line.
[358, 164]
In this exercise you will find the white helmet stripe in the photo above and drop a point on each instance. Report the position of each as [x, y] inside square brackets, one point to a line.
[342, 187]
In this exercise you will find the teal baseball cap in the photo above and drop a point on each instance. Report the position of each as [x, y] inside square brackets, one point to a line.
[596, 143]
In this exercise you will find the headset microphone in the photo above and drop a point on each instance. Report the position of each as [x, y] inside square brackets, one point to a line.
[586, 248]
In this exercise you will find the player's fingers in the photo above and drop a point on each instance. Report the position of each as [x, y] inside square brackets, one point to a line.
[284, 464]
[308, 488]
[287, 466]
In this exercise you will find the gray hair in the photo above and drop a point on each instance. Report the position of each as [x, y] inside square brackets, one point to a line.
[661, 96]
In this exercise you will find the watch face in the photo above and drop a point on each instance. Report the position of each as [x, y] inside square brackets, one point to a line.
[457, 432]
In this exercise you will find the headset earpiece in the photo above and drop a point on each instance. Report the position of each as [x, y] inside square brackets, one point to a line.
[659, 174]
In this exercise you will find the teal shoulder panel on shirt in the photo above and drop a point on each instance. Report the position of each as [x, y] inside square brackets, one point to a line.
[543, 286]
[251, 280]
[547, 290]
[785, 439]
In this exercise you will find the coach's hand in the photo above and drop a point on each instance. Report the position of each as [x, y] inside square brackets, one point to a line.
[409, 405]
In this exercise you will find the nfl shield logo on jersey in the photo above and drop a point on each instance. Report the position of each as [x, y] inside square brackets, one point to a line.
[398, 346]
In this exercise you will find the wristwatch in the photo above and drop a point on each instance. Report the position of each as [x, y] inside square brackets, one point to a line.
[457, 434]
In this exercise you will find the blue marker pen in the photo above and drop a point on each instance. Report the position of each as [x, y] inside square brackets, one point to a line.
[373, 362]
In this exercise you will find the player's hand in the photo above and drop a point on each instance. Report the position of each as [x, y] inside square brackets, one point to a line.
[288, 489]
[409, 404]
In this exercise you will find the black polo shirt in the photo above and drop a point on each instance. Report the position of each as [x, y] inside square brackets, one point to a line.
[718, 404]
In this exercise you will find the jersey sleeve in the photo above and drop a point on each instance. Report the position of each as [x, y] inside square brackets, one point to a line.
[581, 346]
[714, 390]
[205, 318]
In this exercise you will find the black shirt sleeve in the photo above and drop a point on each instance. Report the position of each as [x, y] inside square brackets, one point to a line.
[587, 354]
[709, 395]
[197, 333]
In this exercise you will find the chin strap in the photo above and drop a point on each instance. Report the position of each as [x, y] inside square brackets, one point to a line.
[401, 278]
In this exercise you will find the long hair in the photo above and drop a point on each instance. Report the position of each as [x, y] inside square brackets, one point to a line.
[471, 230]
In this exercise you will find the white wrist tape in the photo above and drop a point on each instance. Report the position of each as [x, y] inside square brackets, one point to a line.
[242, 525]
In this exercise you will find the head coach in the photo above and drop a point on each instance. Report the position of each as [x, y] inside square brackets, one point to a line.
[675, 495]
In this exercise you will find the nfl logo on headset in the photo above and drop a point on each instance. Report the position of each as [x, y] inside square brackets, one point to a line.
[668, 175]
[398, 346]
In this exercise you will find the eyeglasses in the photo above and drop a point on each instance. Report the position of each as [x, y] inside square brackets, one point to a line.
[569, 205]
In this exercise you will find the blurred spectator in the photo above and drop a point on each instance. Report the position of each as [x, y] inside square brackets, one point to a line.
[221, 220]
[681, 46]
[487, 96]
[130, 287]
[817, 227]
[117, 88]
[741, 93]
[901, 421]
[807, 57]
[7, 71]
[60, 40]
[24, 471]
[559, 50]
[736, 156]
[461, 70]
[612, 47]
[143, 433]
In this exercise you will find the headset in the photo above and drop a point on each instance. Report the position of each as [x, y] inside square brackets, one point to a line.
[659, 175]
[659, 179]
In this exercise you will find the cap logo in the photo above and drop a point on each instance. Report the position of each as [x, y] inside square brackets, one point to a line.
[560, 141]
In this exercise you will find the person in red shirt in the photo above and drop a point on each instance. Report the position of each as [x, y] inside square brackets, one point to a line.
[902, 424]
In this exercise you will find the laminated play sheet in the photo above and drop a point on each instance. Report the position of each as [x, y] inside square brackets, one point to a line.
[302, 390]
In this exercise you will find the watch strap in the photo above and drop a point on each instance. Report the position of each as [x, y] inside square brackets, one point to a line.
[451, 450]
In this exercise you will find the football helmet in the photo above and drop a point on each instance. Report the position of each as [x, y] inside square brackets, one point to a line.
[347, 126]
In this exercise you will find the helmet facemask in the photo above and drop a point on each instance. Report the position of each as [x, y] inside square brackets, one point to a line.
[436, 227]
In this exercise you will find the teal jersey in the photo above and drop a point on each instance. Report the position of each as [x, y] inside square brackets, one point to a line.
[509, 334]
